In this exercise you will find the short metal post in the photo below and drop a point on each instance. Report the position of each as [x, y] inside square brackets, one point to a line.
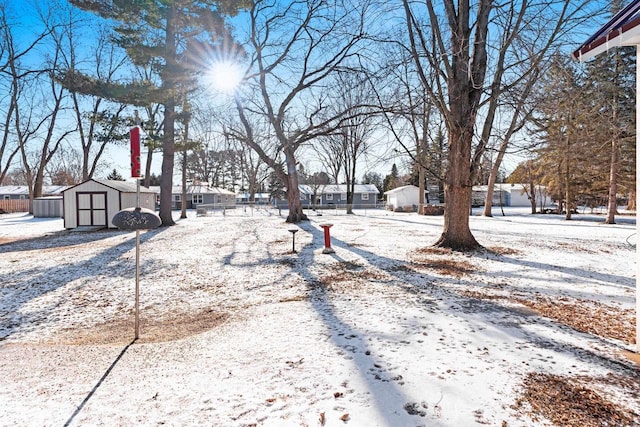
[137, 322]
[293, 233]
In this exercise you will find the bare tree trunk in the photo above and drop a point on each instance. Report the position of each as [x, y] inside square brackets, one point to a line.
[147, 169]
[168, 143]
[421, 158]
[488, 202]
[183, 207]
[532, 197]
[567, 183]
[296, 214]
[632, 200]
[612, 207]
[351, 181]
[456, 233]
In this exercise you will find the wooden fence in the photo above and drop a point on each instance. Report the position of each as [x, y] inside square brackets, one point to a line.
[14, 205]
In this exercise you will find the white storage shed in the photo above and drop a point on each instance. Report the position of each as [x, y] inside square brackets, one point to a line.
[403, 197]
[94, 203]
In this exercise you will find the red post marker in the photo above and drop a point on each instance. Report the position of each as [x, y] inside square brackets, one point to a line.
[134, 137]
[327, 239]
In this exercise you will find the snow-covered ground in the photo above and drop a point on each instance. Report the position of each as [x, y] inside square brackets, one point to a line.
[237, 330]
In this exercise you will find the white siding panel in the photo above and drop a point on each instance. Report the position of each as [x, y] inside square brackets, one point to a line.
[113, 205]
[84, 201]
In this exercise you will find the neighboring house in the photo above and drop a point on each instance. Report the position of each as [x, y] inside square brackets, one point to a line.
[335, 195]
[509, 195]
[258, 198]
[21, 192]
[15, 198]
[364, 195]
[198, 194]
[404, 198]
[95, 202]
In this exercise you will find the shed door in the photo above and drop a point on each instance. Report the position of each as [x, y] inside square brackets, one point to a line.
[92, 209]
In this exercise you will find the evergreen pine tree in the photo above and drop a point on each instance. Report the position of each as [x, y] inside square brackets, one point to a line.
[176, 38]
[610, 82]
[114, 175]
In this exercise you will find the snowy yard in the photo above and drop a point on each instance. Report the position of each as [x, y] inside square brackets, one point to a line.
[237, 330]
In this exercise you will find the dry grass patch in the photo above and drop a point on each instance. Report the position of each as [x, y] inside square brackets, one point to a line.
[350, 275]
[121, 331]
[575, 248]
[445, 267]
[585, 316]
[500, 250]
[442, 260]
[481, 295]
[434, 250]
[569, 402]
[294, 298]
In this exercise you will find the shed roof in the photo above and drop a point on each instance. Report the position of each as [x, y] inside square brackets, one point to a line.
[621, 30]
[401, 189]
[122, 186]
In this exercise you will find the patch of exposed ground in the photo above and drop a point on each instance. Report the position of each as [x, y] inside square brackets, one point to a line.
[585, 316]
[500, 250]
[151, 330]
[350, 276]
[431, 258]
[571, 402]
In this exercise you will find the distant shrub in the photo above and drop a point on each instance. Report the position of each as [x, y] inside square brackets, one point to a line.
[432, 210]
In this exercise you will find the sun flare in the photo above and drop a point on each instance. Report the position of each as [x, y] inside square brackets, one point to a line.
[225, 76]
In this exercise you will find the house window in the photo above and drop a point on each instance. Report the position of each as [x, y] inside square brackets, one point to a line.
[7, 197]
[196, 199]
[177, 197]
[303, 196]
[329, 196]
[23, 197]
[343, 196]
[365, 196]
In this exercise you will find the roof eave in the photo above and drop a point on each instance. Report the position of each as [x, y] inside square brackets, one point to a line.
[626, 35]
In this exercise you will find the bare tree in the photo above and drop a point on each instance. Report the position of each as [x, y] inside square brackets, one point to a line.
[66, 167]
[341, 150]
[38, 106]
[409, 116]
[253, 170]
[460, 43]
[294, 49]
[11, 79]
[100, 122]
